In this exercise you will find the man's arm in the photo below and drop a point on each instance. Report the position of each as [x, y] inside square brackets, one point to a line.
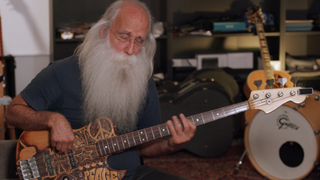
[179, 136]
[21, 115]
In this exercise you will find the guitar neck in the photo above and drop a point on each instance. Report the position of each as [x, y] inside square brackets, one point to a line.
[122, 142]
[264, 51]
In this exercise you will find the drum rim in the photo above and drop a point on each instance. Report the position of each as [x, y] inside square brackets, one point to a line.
[249, 152]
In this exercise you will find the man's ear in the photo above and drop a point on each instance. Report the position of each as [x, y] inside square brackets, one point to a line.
[103, 30]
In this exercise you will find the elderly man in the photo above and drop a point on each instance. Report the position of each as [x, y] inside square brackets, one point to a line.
[109, 76]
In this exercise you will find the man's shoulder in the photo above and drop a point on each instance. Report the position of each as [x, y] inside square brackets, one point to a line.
[69, 61]
[67, 64]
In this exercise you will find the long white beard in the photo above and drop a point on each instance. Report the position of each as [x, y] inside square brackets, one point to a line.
[114, 85]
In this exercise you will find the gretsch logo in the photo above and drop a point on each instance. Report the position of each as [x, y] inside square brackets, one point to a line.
[284, 123]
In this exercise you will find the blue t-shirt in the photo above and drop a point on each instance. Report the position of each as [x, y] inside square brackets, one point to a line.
[57, 88]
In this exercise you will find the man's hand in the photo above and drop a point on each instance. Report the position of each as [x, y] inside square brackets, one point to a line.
[180, 135]
[21, 115]
[62, 137]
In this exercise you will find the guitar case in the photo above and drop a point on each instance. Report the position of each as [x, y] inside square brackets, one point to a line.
[216, 75]
[201, 92]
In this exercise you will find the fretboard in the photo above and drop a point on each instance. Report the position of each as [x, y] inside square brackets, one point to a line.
[264, 51]
[122, 142]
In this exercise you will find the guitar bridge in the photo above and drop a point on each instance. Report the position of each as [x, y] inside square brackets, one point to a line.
[29, 169]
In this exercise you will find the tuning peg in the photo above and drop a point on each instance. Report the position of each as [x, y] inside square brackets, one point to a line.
[270, 82]
[258, 83]
[294, 80]
[282, 81]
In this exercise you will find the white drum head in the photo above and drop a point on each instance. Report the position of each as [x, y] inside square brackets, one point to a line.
[282, 143]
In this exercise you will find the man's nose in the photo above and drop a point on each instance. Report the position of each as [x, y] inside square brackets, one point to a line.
[130, 47]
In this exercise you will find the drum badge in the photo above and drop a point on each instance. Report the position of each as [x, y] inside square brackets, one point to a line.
[283, 122]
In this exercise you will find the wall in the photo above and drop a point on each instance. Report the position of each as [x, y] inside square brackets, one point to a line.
[26, 36]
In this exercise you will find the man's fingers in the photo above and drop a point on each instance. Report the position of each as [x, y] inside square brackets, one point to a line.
[177, 124]
[171, 128]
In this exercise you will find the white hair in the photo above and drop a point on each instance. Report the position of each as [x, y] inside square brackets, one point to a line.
[114, 85]
[107, 18]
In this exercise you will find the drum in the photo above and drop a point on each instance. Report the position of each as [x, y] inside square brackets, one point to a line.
[284, 144]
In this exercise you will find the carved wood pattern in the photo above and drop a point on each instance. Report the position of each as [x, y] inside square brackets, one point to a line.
[87, 162]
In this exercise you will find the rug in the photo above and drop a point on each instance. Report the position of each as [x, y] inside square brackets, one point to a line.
[223, 167]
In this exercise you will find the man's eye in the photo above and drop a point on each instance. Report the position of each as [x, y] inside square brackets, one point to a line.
[138, 40]
[124, 37]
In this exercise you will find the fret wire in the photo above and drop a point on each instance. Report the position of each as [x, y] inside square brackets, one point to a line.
[139, 133]
[192, 120]
[216, 114]
[117, 142]
[124, 146]
[112, 145]
[207, 116]
[198, 119]
[202, 118]
[152, 133]
[160, 131]
[108, 145]
[198, 116]
[167, 129]
[146, 135]
[139, 137]
[142, 139]
[224, 114]
[214, 118]
[157, 129]
[164, 127]
[100, 147]
[128, 140]
[104, 148]
[235, 110]
[229, 110]
[134, 141]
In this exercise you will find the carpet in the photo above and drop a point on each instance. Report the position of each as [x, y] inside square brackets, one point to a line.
[194, 167]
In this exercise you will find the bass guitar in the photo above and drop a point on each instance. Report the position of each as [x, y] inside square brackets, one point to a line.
[97, 141]
[256, 17]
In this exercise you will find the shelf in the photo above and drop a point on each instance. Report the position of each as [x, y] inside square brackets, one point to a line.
[302, 33]
[175, 12]
[69, 40]
[270, 34]
[59, 40]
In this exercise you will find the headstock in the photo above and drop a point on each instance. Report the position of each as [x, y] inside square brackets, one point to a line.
[255, 15]
[268, 100]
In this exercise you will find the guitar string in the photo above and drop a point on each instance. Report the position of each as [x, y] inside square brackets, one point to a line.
[64, 156]
[255, 102]
[43, 170]
[251, 102]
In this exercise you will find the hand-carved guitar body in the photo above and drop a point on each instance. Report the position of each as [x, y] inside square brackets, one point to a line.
[95, 142]
[83, 162]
